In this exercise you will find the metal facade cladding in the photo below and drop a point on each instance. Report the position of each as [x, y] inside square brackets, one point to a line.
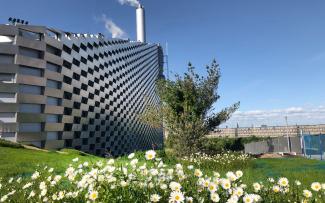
[77, 90]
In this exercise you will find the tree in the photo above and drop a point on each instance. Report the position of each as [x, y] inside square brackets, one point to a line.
[186, 109]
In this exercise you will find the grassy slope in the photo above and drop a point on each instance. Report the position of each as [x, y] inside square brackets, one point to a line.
[16, 161]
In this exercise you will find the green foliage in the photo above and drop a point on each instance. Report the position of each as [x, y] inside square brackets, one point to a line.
[5, 143]
[186, 109]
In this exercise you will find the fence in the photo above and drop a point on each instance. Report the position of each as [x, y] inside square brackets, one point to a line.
[277, 144]
[314, 146]
[311, 146]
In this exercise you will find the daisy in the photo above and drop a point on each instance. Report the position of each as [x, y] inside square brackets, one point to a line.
[155, 198]
[150, 155]
[176, 197]
[212, 187]
[225, 183]
[283, 182]
[215, 197]
[276, 188]
[238, 191]
[175, 186]
[93, 195]
[316, 186]
[257, 187]
[248, 199]
[198, 173]
[239, 174]
[307, 193]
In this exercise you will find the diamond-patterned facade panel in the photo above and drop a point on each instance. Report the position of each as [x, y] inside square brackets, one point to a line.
[64, 90]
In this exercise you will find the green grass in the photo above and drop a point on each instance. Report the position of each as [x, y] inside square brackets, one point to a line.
[304, 170]
[19, 161]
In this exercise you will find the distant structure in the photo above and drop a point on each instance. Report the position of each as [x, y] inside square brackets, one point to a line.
[66, 90]
[269, 131]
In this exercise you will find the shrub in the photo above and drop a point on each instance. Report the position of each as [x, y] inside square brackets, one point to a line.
[186, 109]
[6, 143]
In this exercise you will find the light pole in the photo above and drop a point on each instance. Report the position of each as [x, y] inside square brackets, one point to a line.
[288, 140]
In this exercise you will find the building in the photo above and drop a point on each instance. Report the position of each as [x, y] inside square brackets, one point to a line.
[65, 90]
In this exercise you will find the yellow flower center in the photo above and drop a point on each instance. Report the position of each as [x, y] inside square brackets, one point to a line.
[177, 197]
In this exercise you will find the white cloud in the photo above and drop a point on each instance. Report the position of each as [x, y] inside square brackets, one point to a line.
[296, 115]
[112, 28]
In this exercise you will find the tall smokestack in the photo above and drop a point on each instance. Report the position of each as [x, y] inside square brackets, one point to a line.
[141, 24]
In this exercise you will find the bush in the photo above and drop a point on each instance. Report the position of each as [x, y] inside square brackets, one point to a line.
[6, 143]
[220, 145]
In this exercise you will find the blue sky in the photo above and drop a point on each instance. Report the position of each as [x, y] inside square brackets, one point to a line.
[271, 53]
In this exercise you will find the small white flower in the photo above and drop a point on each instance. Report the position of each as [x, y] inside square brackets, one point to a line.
[3, 198]
[93, 195]
[307, 193]
[131, 156]
[238, 191]
[276, 188]
[316, 186]
[75, 159]
[215, 197]
[248, 198]
[176, 196]
[35, 175]
[155, 198]
[198, 173]
[134, 162]
[43, 192]
[175, 186]
[283, 182]
[42, 186]
[257, 187]
[163, 186]
[151, 154]
[225, 183]
[239, 174]
[212, 187]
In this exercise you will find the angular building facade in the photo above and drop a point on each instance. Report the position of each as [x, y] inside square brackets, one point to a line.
[64, 90]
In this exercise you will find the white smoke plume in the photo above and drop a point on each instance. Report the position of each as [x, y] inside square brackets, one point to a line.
[112, 28]
[134, 3]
